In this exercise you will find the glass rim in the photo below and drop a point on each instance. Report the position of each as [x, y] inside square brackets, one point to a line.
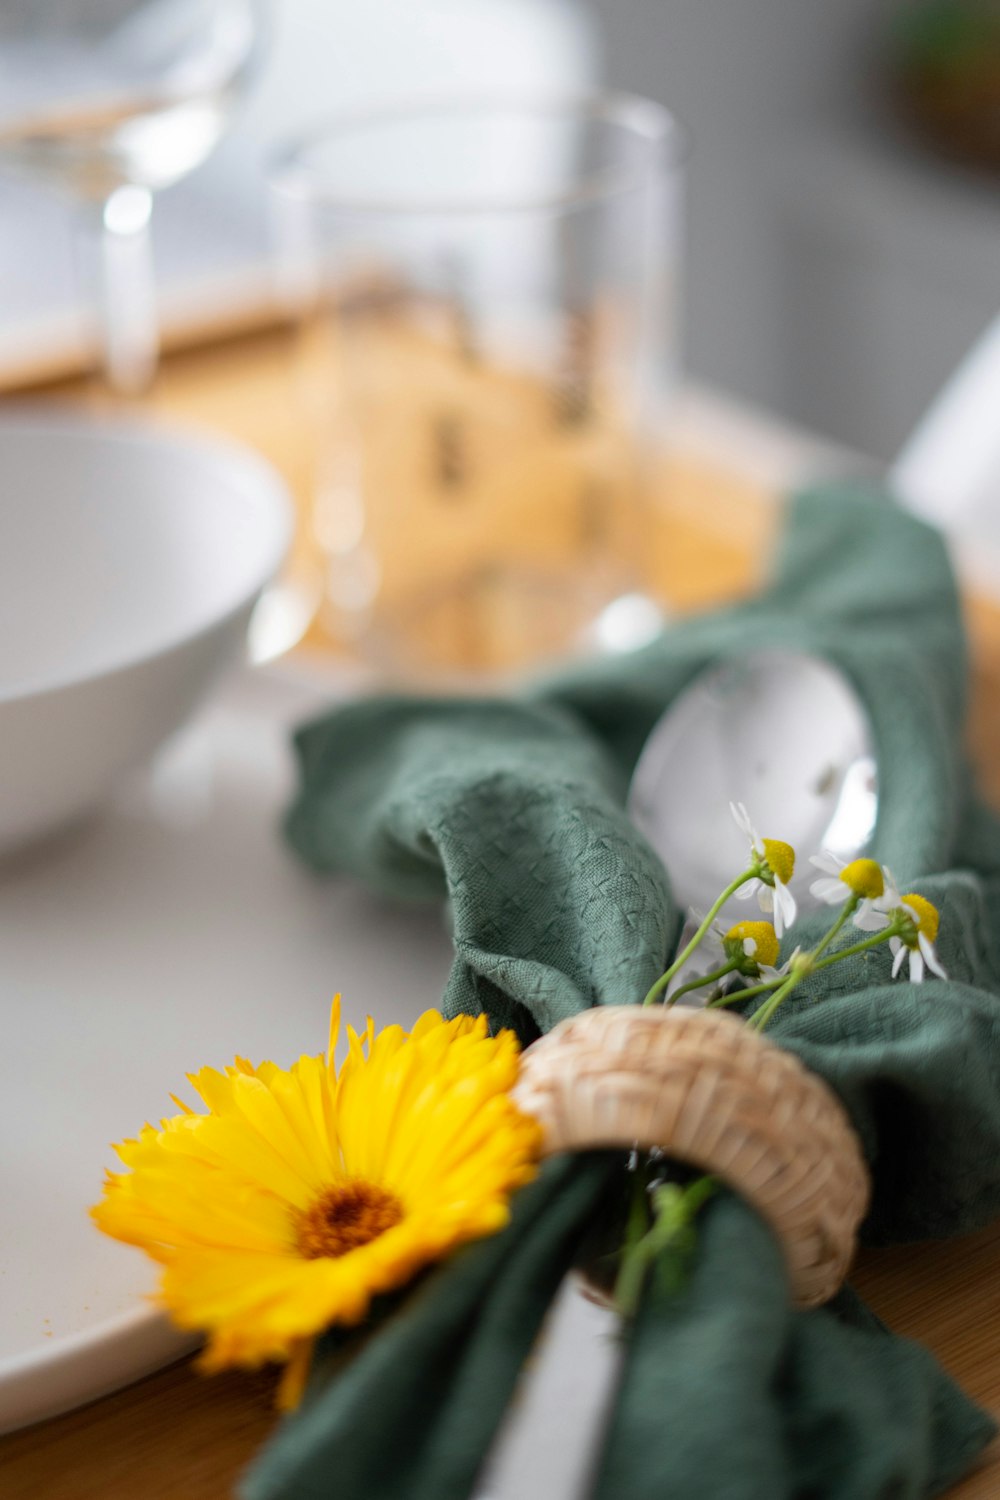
[289, 173]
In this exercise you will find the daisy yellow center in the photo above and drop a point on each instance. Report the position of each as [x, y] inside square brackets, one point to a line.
[864, 878]
[780, 858]
[927, 916]
[346, 1216]
[762, 935]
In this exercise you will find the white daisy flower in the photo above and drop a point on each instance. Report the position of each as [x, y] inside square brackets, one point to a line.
[862, 878]
[918, 941]
[873, 916]
[776, 863]
[829, 888]
[742, 820]
[752, 947]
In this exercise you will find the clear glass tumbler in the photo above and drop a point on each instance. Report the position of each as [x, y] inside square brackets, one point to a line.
[502, 280]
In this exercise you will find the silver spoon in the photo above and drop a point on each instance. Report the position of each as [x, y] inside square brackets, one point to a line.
[782, 731]
[813, 782]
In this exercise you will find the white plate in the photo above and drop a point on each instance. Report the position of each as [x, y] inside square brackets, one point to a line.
[173, 930]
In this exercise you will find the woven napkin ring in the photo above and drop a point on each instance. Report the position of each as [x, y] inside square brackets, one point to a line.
[709, 1091]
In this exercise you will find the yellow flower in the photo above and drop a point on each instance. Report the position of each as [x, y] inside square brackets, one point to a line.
[915, 921]
[862, 877]
[926, 919]
[780, 858]
[303, 1193]
[774, 864]
[915, 943]
[750, 944]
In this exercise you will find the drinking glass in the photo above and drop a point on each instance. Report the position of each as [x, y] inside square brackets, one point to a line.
[113, 99]
[502, 284]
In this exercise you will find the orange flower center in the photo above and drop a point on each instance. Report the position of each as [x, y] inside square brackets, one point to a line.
[345, 1217]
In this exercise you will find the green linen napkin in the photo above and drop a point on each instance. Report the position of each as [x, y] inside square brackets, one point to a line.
[514, 810]
[413, 1413]
[729, 1392]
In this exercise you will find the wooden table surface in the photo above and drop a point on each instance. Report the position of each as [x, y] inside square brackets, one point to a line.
[177, 1436]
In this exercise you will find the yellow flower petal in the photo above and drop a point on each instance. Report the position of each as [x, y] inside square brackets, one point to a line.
[423, 1119]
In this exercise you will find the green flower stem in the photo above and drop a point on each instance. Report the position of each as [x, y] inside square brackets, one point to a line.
[739, 996]
[871, 942]
[697, 984]
[810, 962]
[627, 1288]
[674, 1210]
[713, 912]
[848, 909]
[630, 1278]
[765, 986]
[760, 1017]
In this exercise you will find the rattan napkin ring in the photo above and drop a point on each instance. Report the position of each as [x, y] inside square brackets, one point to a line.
[711, 1092]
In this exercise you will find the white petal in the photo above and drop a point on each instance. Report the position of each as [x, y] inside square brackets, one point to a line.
[869, 919]
[747, 889]
[833, 892]
[897, 962]
[933, 962]
[749, 947]
[827, 862]
[785, 907]
[765, 900]
[916, 965]
[742, 819]
[890, 897]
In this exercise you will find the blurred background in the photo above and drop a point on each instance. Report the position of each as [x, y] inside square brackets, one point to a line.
[843, 217]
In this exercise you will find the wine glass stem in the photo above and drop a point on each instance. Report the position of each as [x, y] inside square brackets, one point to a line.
[127, 290]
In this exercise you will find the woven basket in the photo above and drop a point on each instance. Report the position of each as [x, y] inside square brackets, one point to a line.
[711, 1092]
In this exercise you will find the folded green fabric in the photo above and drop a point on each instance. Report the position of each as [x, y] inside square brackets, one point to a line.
[514, 810]
[729, 1391]
[418, 1406]
[518, 816]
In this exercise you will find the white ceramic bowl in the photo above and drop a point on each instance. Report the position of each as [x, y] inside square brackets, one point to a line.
[130, 563]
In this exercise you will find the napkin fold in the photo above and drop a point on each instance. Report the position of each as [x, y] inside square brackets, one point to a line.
[412, 1414]
[730, 1392]
[514, 810]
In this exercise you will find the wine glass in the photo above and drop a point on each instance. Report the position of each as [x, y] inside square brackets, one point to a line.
[112, 100]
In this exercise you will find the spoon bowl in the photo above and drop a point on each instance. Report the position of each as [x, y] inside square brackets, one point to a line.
[783, 732]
